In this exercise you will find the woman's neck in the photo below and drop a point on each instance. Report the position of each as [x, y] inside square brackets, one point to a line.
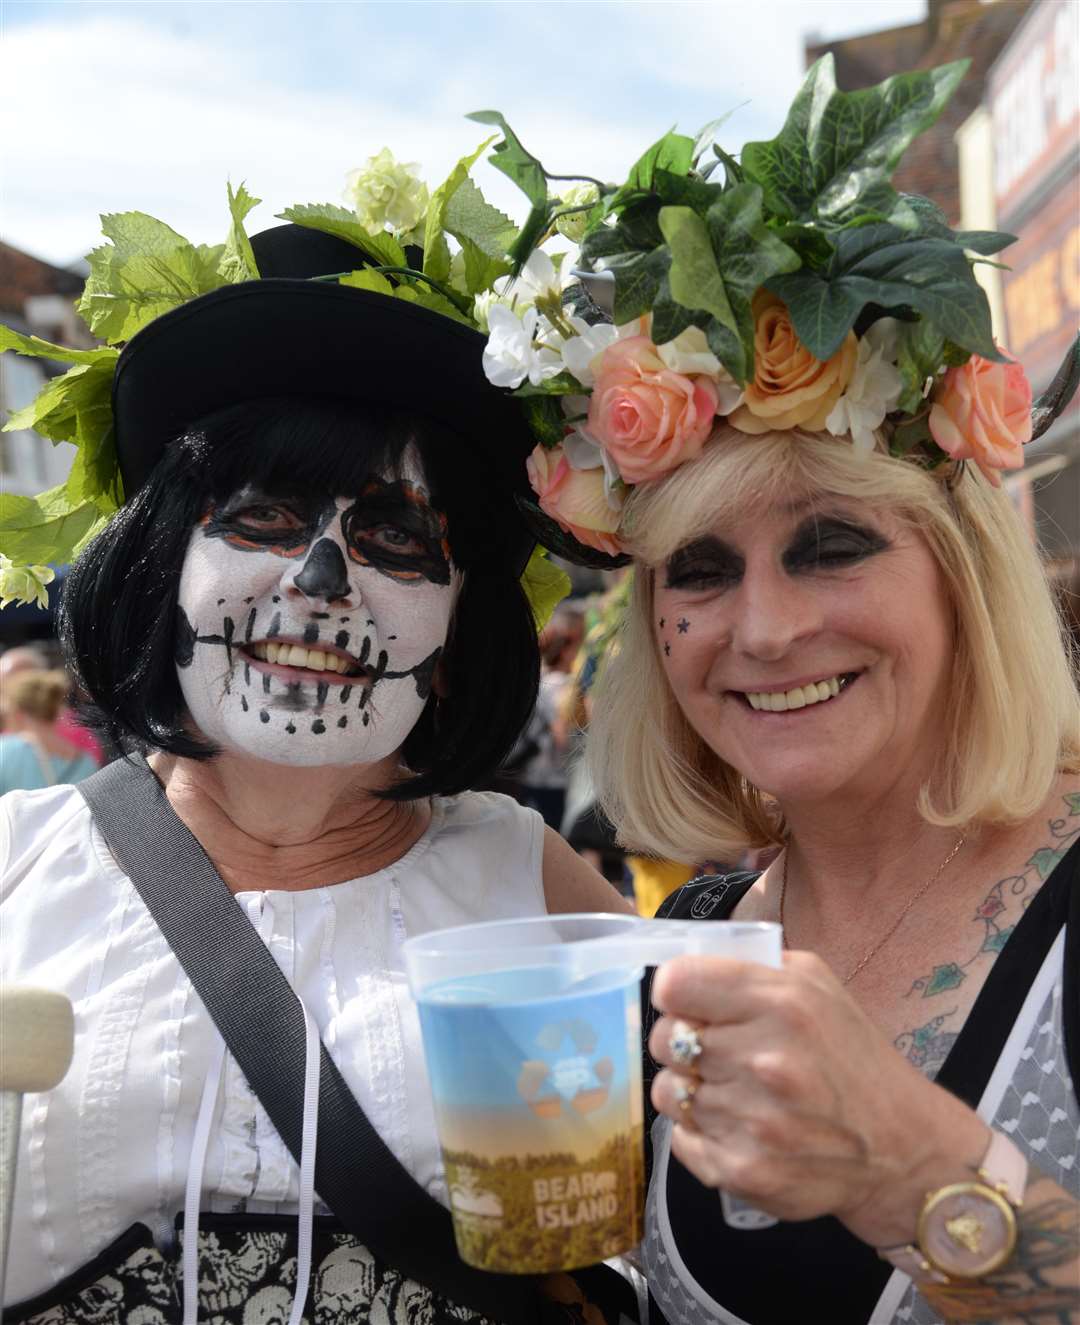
[847, 853]
[273, 826]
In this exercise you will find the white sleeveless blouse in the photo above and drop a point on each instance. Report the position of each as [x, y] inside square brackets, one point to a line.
[110, 1146]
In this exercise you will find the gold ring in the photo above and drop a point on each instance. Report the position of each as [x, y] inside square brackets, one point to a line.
[685, 1090]
[685, 1044]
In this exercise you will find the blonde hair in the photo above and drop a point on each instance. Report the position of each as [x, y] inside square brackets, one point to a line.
[1016, 720]
[36, 694]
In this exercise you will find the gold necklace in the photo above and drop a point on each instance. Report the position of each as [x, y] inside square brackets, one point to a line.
[847, 979]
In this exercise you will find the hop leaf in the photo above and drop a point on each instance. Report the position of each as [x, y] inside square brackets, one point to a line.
[146, 270]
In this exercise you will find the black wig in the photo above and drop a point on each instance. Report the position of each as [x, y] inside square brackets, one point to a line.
[118, 611]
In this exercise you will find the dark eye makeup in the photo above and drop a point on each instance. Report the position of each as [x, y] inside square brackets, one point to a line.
[818, 543]
[704, 563]
[832, 541]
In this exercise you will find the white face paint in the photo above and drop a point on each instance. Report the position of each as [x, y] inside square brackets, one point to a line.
[309, 630]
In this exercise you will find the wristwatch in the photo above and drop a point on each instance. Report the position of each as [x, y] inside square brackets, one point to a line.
[968, 1229]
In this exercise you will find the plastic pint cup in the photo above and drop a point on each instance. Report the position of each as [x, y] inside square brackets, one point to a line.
[532, 1036]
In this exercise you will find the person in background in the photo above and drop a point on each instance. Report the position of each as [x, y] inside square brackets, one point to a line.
[33, 753]
[543, 775]
[24, 657]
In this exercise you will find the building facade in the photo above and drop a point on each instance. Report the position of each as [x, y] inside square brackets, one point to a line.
[35, 299]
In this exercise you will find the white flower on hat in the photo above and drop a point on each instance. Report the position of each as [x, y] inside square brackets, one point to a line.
[874, 388]
[581, 349]
[690, 355]
[515, 349]
[539, 281]
[24, 584]
[387, 194]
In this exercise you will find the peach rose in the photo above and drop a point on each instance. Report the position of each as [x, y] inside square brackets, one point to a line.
[574, 498]
[791, 389]
[648, 418]
[981, 411]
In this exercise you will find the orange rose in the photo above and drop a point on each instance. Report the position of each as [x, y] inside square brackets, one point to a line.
[791, 389]
[574, 498]
[981, 411]
[646, 417]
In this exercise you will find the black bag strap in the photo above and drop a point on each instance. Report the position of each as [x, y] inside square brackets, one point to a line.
[262, 1022]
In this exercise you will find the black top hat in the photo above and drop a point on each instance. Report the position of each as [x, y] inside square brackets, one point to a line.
[287, 334]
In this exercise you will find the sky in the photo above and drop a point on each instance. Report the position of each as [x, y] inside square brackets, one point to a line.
[148, 106]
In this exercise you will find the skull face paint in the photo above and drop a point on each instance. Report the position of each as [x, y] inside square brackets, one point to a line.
[309, 629]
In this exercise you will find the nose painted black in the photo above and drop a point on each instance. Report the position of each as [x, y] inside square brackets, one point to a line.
[324, 574]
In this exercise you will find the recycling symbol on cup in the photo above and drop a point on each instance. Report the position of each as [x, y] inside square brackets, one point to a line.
[567, 1077]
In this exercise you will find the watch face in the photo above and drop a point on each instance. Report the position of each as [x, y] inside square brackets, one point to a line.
[967, 1230]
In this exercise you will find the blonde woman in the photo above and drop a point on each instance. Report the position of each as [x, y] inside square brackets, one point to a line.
[32, 752]
[786, 405]
[852, 658]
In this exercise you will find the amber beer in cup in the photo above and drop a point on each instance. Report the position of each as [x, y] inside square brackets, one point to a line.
[532, 1037]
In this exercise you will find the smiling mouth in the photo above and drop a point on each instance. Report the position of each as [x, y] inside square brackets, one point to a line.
[806, 696]
[325, 664]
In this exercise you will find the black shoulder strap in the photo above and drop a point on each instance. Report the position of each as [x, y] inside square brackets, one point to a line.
[262, 1022]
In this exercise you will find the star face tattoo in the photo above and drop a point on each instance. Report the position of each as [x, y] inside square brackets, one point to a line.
[309, 630]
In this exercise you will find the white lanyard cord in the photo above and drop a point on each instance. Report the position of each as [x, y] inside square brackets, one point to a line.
[312, 1052]
[193, 1190]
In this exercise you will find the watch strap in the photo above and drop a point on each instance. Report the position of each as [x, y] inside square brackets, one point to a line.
[1004, 1169]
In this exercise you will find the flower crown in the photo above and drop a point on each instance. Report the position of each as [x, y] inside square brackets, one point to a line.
[800, 290]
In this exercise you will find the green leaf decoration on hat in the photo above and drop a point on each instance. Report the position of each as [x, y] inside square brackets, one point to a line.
[379, 247]
[484, 233]
[75, 407]
[32, 528]
[529, 175]
[419, 293]
[832, 161]
[544, 585]
[238, 261]
[146, 270]
[436, 249]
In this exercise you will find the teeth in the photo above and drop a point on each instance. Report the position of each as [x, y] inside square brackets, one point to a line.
[780, 701]
[294, 655]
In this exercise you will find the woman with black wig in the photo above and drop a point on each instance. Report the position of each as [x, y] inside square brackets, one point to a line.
[308, 618]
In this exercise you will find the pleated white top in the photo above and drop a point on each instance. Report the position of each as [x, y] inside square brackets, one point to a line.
[110, 1146]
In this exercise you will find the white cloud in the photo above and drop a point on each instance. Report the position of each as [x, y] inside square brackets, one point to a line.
[151, 108]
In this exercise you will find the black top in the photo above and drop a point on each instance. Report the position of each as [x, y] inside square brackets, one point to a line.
[774, 1275]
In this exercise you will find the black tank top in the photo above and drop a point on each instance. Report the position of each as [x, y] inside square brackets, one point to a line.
[815, 1270]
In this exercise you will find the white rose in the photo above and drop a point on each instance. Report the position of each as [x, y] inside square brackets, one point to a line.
[387, 194]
